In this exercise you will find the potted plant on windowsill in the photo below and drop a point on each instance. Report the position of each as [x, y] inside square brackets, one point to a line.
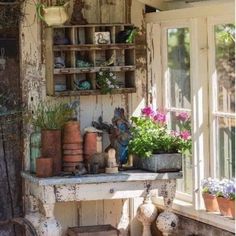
[226, 197]
[209, 190]
[53, 15]
[156, 147]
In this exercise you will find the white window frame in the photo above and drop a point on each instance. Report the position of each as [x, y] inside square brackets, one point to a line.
[197, 19]
[165, 102]
[214, 114]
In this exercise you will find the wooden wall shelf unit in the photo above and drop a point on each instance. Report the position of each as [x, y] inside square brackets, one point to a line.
[74, 55]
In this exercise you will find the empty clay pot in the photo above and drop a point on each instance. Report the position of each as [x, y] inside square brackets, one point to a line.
[51, 147]
[72, 146]
[44, 167]
[72, 132]
[72, 158]
[90, 143]
[73, 152]
[70, 166]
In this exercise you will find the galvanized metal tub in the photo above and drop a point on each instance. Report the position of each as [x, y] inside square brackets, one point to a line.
[166, 162]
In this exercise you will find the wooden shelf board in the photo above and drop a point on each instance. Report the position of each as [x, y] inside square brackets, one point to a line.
[85, 47]
[94, 92]
[69, 71]
[92, 25]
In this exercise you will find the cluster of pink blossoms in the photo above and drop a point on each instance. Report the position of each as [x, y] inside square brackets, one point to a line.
[160, 117]
[156, 116]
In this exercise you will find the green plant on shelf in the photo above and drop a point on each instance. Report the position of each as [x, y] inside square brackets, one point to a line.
[106, 81]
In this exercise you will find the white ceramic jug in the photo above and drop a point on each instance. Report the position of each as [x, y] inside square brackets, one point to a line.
[55, 15]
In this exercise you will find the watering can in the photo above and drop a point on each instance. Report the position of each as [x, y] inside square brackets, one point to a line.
[53, 16]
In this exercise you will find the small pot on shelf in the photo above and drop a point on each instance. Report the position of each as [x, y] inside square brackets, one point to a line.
[44, 167]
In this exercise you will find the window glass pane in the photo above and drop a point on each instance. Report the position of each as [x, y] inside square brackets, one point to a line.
[225, 66]
[226, 147]
[179, 67]
[181, 121]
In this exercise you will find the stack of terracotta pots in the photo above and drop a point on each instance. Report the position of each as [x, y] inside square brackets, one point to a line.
[72, 146]
[90, 145]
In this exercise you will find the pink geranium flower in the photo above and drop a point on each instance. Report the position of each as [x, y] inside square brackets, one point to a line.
[160, 117]
[185, 135]
[148, 111]
[183, 116]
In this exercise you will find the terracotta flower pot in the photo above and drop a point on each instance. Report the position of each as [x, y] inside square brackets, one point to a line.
[72, 146]
[72, 158]
[51, 147]
[90, 144]
[70, 166]
[211, 203]
[72, 132]
[226, 206]
[44, 167]
[73, 152]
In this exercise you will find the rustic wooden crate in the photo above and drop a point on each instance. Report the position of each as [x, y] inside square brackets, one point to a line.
[94, 230]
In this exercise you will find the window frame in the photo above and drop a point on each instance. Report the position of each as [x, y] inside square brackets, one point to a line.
[197, 19]
[212, 21]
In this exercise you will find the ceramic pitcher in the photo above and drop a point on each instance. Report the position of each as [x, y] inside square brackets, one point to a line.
[55, 15]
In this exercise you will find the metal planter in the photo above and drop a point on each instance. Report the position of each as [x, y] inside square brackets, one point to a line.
[167, 162]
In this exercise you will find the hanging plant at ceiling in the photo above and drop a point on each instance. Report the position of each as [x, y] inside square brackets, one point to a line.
[11, 13]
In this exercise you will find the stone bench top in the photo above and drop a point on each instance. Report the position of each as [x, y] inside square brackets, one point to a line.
[122, 176]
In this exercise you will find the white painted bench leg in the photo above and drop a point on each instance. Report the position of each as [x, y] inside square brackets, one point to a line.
[33, 214]
[49, 226]
[123, 225]
[167, 221]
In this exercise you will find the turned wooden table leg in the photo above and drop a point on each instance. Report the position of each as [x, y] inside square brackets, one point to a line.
[49, 226]
[167, 221]
[147, 213]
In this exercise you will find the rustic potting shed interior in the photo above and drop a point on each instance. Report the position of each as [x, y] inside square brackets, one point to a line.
[104, 63]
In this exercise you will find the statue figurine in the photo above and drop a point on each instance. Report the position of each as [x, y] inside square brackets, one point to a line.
[77, 17]
[120, 135]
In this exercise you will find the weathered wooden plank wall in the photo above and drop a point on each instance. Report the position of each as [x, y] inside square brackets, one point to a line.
[10, 135]
[116, 212]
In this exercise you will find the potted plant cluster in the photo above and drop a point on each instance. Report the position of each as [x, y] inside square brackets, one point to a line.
[50, 119]
[156, 147]
[221, 195]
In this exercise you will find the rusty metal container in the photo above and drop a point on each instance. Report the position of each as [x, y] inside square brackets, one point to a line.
[51, 147]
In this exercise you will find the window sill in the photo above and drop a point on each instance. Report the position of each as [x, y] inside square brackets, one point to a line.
[186, 209]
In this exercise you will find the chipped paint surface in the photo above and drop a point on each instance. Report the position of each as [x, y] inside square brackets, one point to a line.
[34, 91]
[47, 195]
[65, 193]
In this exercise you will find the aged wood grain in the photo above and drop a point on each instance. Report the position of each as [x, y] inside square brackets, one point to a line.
[10, 143]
